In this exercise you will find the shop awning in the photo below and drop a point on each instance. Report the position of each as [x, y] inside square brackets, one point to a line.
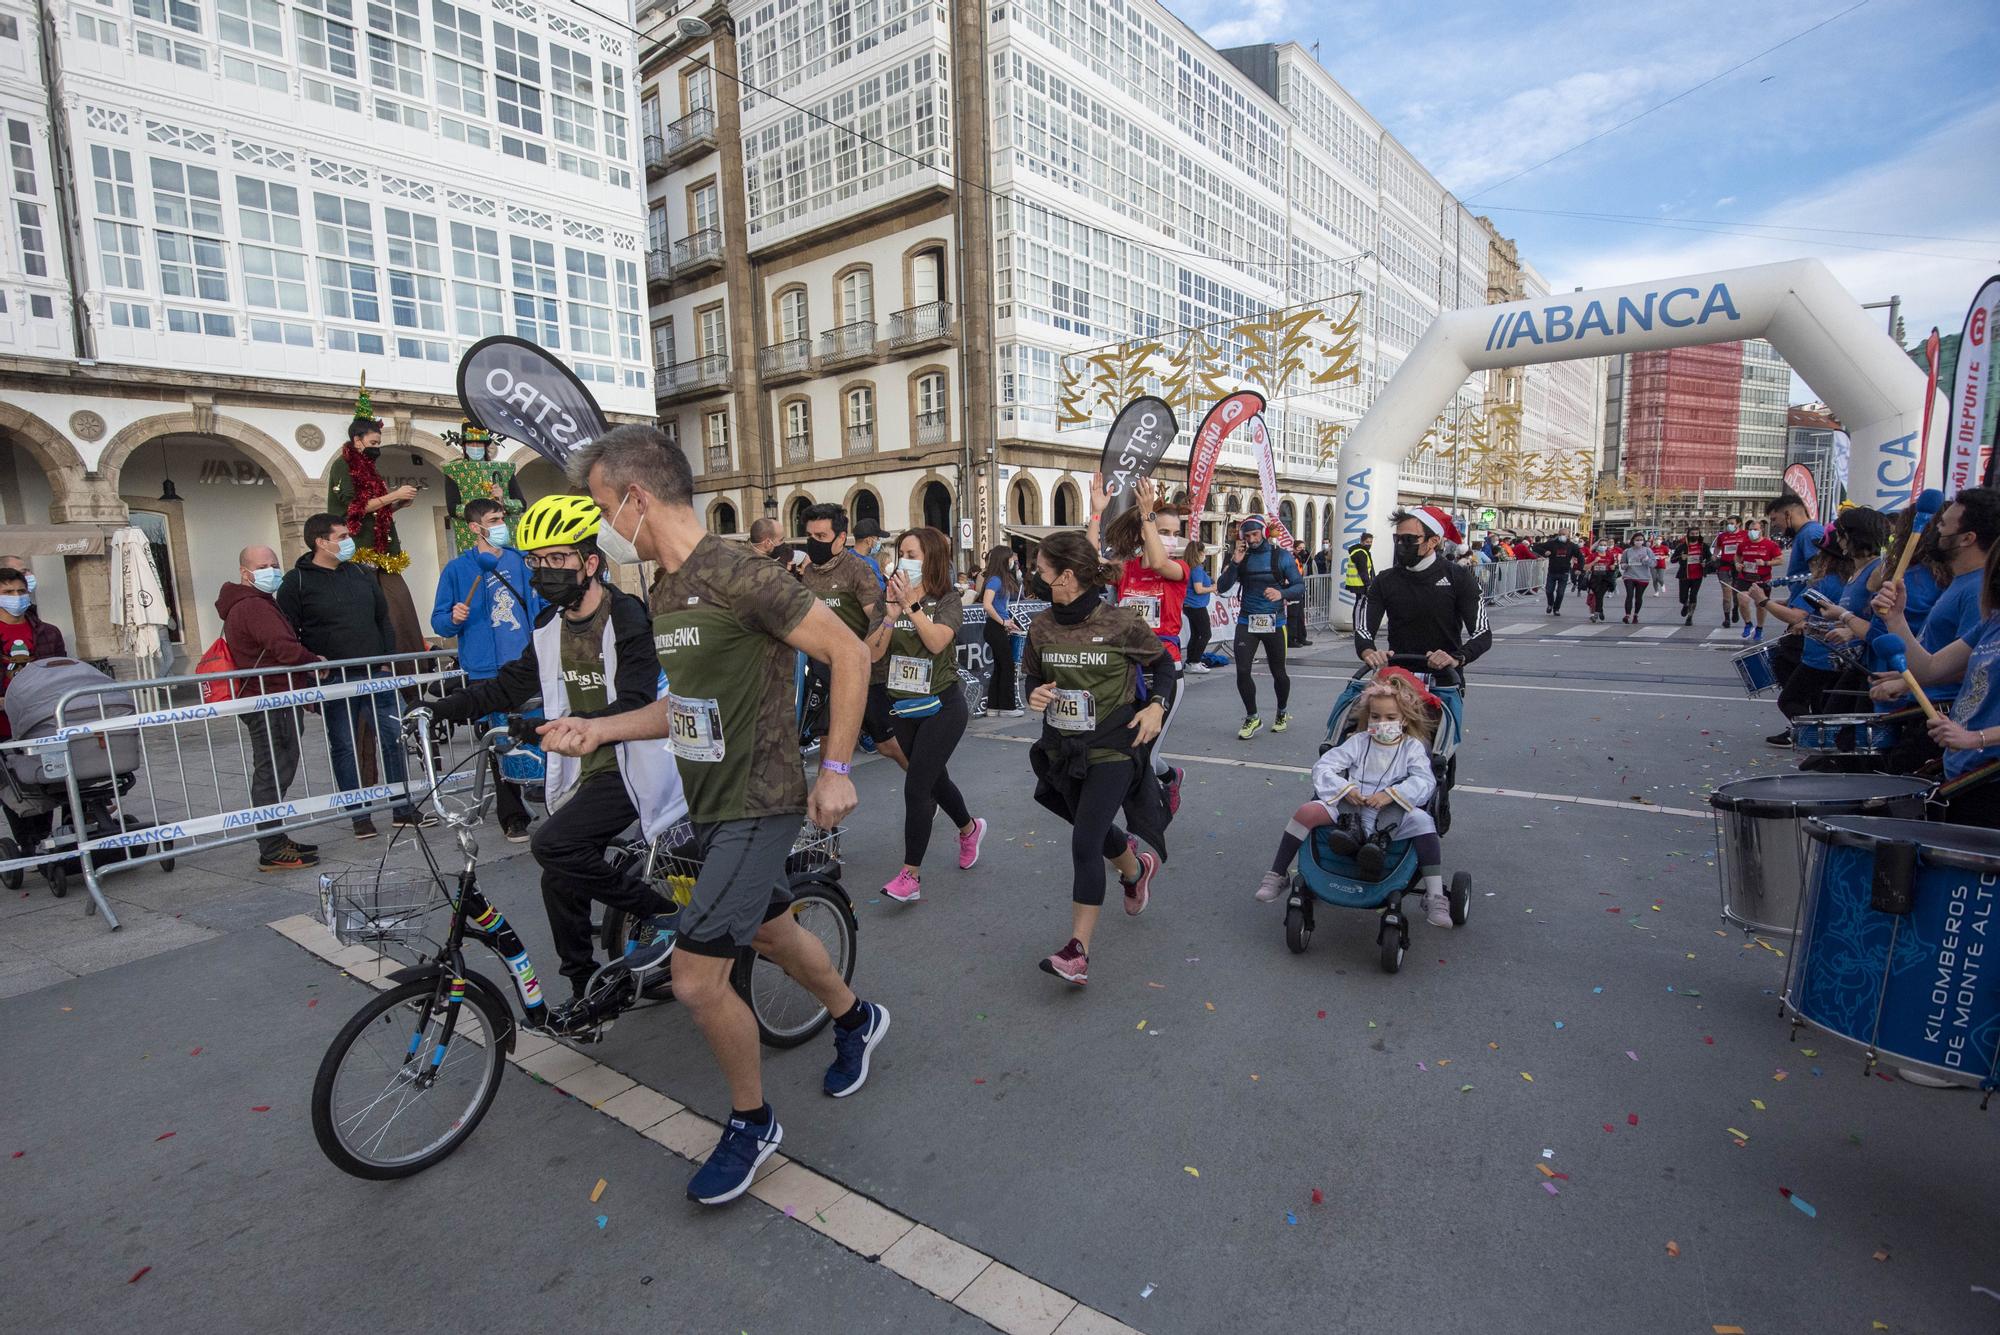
[55, 539]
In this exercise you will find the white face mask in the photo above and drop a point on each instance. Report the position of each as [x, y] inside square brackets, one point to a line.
[1174, 543]
[1754, 534]
[267, 578]
[1386, 729]
[617, 548]
[912, 571]
[497, 535]
[476, 453]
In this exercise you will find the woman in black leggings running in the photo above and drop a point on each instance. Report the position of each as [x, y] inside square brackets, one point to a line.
[1082, 670]
[926, 704]
[1270, 578]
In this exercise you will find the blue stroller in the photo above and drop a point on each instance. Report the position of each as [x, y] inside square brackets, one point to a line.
[1322, 876]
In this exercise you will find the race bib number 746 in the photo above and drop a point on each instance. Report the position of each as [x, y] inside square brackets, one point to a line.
[1072, 711]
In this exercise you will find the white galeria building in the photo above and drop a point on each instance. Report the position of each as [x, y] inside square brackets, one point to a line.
[221, 214]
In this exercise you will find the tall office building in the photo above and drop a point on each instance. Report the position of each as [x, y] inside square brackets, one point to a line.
[221, 214]
[1699, 432]
[911, 257]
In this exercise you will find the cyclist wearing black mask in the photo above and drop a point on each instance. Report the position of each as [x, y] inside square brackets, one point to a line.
[591, 655]
[1434, 605]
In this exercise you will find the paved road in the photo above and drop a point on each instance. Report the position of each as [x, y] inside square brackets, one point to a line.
[1054, 1131]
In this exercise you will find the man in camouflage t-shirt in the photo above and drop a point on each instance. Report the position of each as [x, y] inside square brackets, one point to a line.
[726, 625]
[847, 586]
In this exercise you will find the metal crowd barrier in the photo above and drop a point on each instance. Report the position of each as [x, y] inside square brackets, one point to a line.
[182, 777]
[1502, 580]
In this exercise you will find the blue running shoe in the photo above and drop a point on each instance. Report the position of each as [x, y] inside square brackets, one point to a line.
[1747, 628]
[1758, 637]
[867, 743]
[851, 1048]
[732, 1165]
[651, 943]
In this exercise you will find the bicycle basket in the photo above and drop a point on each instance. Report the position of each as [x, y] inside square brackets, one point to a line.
[676, 860]
[370, 907]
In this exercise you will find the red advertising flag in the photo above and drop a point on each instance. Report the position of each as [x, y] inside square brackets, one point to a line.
[1800, 479]
[1228, 414]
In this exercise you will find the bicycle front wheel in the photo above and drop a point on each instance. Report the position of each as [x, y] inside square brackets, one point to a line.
[396, 1092]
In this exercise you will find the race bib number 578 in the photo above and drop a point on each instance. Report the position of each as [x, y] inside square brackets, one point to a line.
[695, 729]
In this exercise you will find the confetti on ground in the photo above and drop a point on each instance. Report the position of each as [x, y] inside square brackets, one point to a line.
[314, 1002]
[166, 1136]
[1550, 1187]
[1673, 1248]
[1882, 1254]
[1559, 1024]
[1191, 1172]
[1322, 1015]
[1708, 1039]
[1809, 1052]
[1161, 986]
[1255, 1076]
[194, 1052]
[18, 1153]
[1494, 1046]
[1525, 1076]
[1779, 1075]
[597, 1191]
[604, 1219]
[1633, 1055]
[1727, 1330]
[1318, 1197]
[139, 1274]
[1597, 990]
[1291, 1218]
[1607, 1126]
[1631, 1119]
[1465, 1089]
[1740, 1135]
[262, 1107]
[1878, 1325]
[1146, 1292]
[1804, 1208]
[1545, 1170]
[1142, 1024]
[1548, 1154]
[1423, 1068]
[1209, 1004]
[978, 1080]
[1758, 1104]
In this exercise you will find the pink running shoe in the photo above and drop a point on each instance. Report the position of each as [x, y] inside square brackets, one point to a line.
[1069, 964]
[968, 844]
[1175, 777]
[905, 889]
[1140, 892]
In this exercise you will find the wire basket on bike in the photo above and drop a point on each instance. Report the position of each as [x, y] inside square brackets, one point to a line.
[385, 910]
[676, 861]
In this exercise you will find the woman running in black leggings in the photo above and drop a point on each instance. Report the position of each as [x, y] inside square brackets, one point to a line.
[926, 704]
[1081, 669]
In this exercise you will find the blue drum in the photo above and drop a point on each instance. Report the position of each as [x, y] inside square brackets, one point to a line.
[1861, 736]
[1757, 668]
[1896, 948]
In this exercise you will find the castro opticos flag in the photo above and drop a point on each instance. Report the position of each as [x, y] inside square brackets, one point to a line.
[1138, 440]
[513, 388]
[1966, 460]
[1223, 418]
[1267, 473]
[1800, 479]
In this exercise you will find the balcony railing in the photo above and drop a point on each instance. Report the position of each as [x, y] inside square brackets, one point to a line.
[656, 156]
[690, 134]
[793, 357]
[694, 374]
[698, 251]
[847, 342]
[659, 265]
[861, 438]
[798, 449]
[933, 428]
[718, 458]
[920, 324]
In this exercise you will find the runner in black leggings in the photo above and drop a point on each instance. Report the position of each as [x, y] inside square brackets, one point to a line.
[1269, 577]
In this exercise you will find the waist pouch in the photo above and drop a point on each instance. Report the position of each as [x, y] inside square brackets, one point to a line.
[915, 706]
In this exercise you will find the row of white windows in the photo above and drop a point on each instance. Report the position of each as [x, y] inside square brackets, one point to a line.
[854, 301]
[577, 102]
[858, 407]
[192, 240]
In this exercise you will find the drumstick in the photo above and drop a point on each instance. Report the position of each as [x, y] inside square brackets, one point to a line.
[1910, 680]
[1927, 507]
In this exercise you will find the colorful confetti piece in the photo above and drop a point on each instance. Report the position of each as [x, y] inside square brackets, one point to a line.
[1673, 1248]
[166, 1136]
[604, 1219]
[1191, 1172]
[139, 1274]
[1631, 1119]
[597, 1192]
[1550, 1187]
[1318, 1197]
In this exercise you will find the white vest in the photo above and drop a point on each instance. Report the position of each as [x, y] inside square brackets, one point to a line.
[647, 767]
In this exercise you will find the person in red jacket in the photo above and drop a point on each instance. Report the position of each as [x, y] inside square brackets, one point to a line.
[1601, 565]
[24, 638]
[1754, 556]
[259, 636]
[1724, 551]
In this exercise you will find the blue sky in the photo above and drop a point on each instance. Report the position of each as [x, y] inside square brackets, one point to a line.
[1886, 120]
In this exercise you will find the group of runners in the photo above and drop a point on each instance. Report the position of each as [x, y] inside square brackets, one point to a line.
[686, 703]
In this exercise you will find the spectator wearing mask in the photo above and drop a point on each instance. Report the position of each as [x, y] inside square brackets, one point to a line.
[867, 537]
[485, 598]
[1636, 565]
[340, 611]
[22, 641]
[765, 536]
[258, 636]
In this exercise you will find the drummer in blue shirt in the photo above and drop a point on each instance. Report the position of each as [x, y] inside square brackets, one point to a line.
[1971, 736]
[1786, 518]
[1962, 536]
[1840, 574]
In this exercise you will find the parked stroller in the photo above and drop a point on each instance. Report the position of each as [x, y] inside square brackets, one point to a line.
[33, 787]
[1322, 876]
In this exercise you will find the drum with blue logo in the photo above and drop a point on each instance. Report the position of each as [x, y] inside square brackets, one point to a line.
[1760, 847]
[1757, 668]
[1860, 737]
[1898, 946]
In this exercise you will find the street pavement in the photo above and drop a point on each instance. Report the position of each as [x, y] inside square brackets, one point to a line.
[1215, 1135]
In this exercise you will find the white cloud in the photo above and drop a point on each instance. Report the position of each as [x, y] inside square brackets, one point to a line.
[1243, 22]
[1725, 201]
[1947, 183]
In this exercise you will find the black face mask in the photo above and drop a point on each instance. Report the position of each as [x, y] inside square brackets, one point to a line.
[1038, 589]
[560, 588]
[1407, 549]
[372, 452]
[819, 553]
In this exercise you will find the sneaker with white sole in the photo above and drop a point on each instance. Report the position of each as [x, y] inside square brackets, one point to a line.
[968, 845]
[905, 888]
[1071, 964]
[1437, 909]
[1272, 886]
[1251, 727]
[1139, 893]
[732, 1165]
[851, 1047]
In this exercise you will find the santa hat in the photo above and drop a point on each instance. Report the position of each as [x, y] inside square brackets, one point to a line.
[1437, 521]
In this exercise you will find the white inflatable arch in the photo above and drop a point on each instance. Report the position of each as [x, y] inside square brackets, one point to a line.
[1875, 390]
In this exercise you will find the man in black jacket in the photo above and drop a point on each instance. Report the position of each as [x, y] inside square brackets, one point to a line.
[1561, 554]
[1434, 605]
[591, 656]
[340, 612]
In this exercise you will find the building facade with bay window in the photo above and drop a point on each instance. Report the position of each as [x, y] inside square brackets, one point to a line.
[223, 213]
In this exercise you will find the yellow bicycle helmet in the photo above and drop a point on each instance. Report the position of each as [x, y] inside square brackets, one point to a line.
[557, 521]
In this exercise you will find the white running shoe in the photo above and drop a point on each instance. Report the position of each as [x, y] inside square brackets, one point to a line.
[1271, 887]
[1437, 909]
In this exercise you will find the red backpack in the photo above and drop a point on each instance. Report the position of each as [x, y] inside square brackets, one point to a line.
[217, 659]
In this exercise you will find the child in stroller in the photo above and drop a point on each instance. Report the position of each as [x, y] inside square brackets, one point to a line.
[1373, 787]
